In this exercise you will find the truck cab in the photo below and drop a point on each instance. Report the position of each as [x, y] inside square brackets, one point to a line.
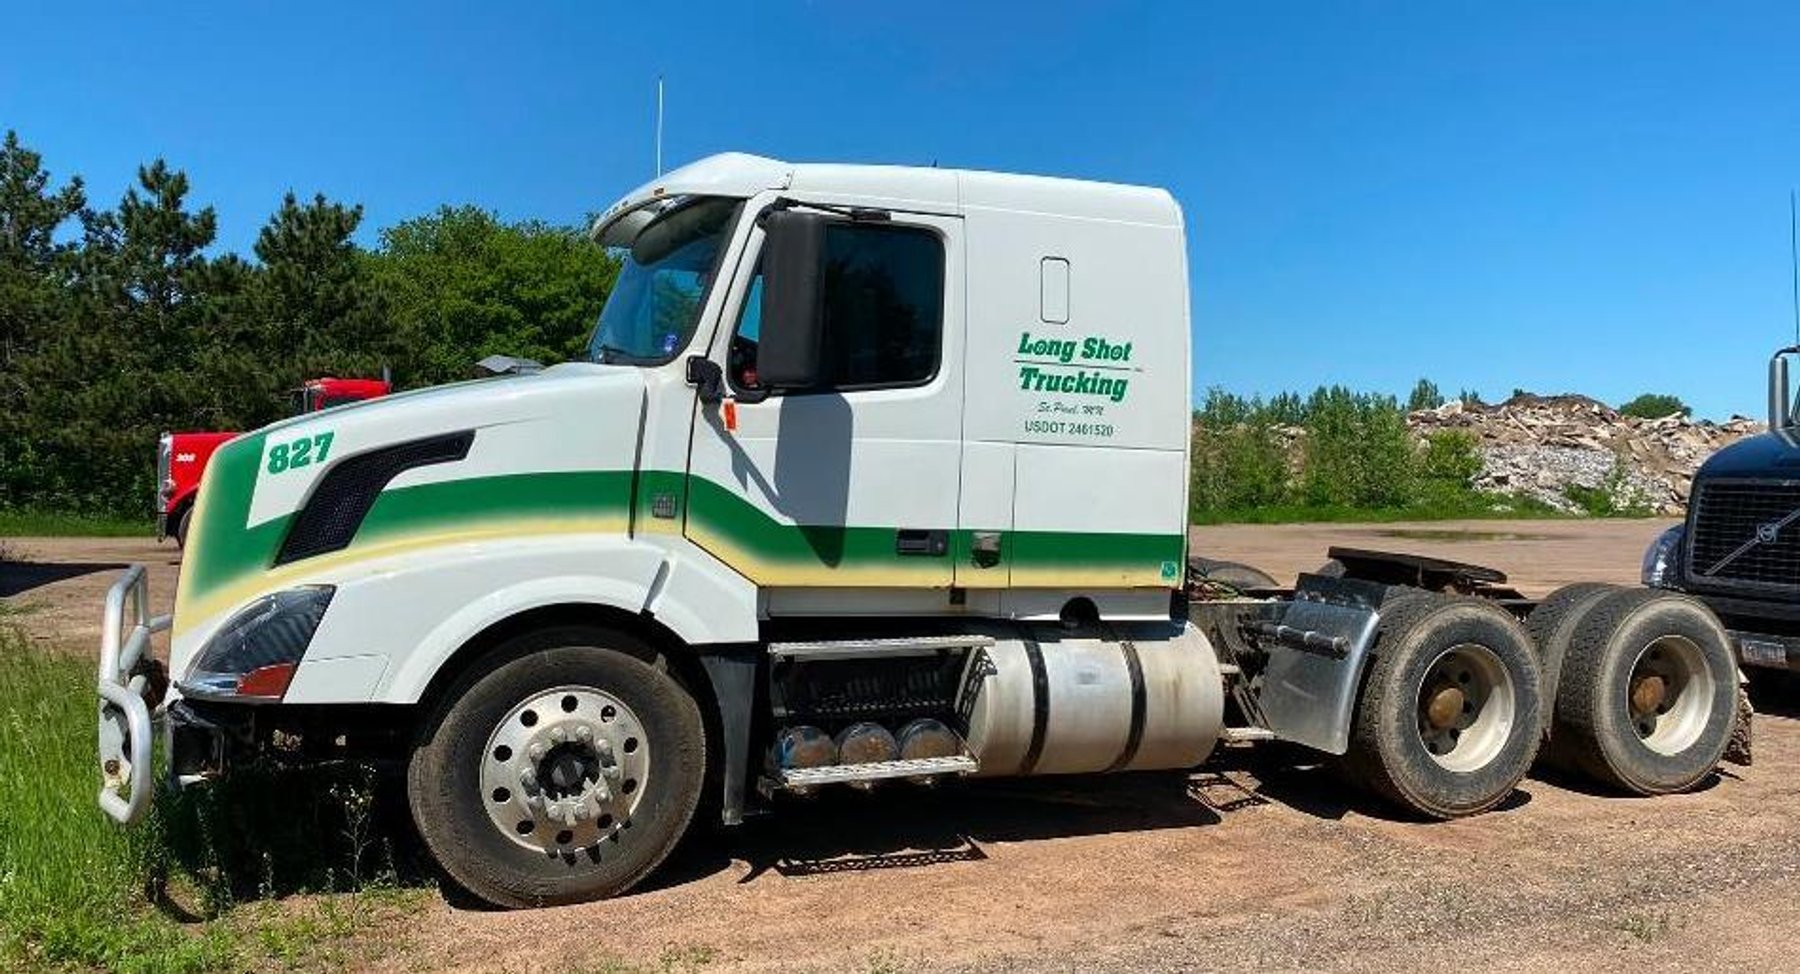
[1739, 548]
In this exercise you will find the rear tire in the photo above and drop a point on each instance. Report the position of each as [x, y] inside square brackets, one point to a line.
[1449, 719]
[564, 768]
[1648, 696]
[1233, 574]
[1552, 626]
[181, 526]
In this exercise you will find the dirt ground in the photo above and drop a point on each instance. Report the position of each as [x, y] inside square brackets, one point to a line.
[1262, 860]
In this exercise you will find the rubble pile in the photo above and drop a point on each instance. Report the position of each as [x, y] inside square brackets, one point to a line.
[1544, 445]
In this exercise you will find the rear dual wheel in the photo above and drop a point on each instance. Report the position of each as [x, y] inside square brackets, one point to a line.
[1449, 718]
[1647, 700]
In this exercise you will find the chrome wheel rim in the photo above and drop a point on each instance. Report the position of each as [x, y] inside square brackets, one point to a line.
[564, 770]
[1466, 709]
[1669, 694]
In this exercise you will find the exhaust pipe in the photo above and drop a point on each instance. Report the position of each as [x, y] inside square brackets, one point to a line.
[1781, 400]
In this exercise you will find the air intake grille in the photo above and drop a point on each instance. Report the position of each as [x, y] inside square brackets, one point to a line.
[1745, 535]
[343, 496]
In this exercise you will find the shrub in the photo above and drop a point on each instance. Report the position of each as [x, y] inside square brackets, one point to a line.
[1238, 459]
[1655, 405]
[1359, 452]
[1616, 496]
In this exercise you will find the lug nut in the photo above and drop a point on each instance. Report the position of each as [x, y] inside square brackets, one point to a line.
[557, 735]
[535, 752]
[584, 733]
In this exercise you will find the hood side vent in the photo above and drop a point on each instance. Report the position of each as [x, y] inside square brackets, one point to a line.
[342, 498]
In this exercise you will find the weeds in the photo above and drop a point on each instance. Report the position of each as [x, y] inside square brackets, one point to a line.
[1647, 927]
[1616, 496]
[78, 893]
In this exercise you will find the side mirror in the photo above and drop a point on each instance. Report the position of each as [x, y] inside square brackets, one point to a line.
[1781, 400]
[793, 268]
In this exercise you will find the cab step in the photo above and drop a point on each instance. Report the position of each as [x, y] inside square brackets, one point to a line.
[864, 648]
[875, 771]
[1246, 735]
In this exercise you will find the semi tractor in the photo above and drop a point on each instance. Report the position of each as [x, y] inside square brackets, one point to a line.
[1738, 550]
[181, 457]
[871, 477]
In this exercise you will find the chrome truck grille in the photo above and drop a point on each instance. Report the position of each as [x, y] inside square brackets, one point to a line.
[1744, 536]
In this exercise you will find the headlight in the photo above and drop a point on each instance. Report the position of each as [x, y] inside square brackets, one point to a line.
[1660, 559]
[253, 655]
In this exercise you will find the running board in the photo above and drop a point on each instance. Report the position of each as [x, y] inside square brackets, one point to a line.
[833, 774]
[864, 648]
[1245, 735]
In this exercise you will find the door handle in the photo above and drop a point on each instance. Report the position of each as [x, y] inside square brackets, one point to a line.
[915, 541]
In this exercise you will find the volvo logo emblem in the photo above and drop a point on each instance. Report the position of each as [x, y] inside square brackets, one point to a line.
[1767, 533]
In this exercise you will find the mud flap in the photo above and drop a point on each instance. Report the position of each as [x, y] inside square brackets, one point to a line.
[1317, 653]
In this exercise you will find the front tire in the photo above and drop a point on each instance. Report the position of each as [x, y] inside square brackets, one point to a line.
[181, 527]
[1449, 719]
[1648, 697]
[564, 768]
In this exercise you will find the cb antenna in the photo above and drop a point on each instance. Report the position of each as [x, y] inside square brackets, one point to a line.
[659, 123]
[1794, 263]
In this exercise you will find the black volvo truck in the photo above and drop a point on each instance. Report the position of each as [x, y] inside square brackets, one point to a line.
[1739, 550]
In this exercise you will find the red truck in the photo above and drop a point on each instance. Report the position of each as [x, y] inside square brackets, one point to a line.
[181, 457]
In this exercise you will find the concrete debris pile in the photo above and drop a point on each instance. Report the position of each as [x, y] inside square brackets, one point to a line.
[1545, 445]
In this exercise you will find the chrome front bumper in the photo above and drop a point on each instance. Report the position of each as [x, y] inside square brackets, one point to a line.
[130, 699]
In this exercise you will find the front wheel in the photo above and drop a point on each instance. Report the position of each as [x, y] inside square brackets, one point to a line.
[182, 524]
[1448, 722]
[564, 769]
[1648, 697]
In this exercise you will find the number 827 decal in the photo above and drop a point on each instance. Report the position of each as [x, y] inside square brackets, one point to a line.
[303, 452]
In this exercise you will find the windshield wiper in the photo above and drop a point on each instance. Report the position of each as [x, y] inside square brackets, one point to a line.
[604, 353]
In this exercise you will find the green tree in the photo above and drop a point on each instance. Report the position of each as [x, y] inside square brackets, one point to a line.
[119, 367]
[33, 266]
[462, 285]
[1359, 452]
[1238, 459]
[1655, 405]
[31, 260]
[309, 308]
[1425, 395]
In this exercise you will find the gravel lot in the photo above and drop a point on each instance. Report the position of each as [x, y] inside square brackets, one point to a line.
[1261, 860]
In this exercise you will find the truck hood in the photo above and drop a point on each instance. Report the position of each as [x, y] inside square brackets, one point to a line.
[310, 498]
[1775, 454]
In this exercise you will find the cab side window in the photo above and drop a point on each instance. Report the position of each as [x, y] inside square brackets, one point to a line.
[883, 306]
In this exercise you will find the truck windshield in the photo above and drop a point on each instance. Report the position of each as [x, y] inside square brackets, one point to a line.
[663, 277]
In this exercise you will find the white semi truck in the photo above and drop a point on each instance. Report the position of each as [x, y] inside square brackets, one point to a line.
[873, 476]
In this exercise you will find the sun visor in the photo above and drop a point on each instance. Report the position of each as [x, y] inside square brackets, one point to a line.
[623, 230]
[728, 174]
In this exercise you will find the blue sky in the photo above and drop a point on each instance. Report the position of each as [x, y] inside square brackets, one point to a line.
[1552, 196]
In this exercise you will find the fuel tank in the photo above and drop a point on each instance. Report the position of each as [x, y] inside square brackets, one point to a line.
[1135, 697]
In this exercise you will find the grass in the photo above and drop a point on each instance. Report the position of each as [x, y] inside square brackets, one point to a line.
[1456, 507]
[183, 891]
[1647, 927]
[33, 523]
